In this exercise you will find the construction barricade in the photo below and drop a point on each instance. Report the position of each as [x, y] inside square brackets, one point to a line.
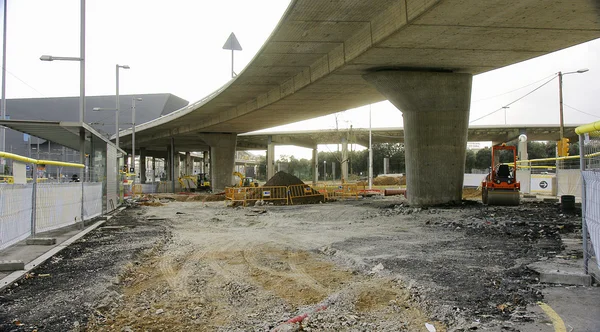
[346, 190]
[250, 195]
[301, 192]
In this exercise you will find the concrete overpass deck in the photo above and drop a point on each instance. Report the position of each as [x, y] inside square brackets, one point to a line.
[326, 57]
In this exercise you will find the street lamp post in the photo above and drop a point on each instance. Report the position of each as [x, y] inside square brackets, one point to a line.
[560, 96]
[3, 106]
[81, 60]
[117, 96]
[133, 100]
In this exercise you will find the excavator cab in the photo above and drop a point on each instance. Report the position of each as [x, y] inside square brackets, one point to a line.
[500, 186]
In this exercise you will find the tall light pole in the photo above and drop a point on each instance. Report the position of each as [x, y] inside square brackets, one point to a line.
[133, 100]
[117, 96]
[3, 109]
[560, 95]
[81, 60]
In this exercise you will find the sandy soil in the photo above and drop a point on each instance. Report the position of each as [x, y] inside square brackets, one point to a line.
[367, 265]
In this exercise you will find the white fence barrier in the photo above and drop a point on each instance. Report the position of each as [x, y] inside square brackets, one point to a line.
[592, 210]
[92, 206]
[57, 205]
[15, 213]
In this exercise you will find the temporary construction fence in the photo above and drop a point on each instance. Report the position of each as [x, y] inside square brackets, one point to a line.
[298, 191]
[589, 142]
[249, 195]
[30, 207]
[287, 194]
[334, 191]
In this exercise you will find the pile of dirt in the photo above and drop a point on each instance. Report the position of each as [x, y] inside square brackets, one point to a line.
[284, 179]
[205, 198]
[388, 180]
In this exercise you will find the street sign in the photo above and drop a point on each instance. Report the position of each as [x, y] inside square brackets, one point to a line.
[232, 43]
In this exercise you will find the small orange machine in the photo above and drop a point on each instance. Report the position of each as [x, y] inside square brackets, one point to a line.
[501, 187]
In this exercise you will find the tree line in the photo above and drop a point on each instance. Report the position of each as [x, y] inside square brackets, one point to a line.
[358, 161]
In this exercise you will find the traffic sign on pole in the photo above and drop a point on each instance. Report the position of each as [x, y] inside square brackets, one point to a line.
[234, 45]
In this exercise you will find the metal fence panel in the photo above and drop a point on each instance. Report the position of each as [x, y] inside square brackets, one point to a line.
[58, 205]
[92, 206]
[589, 142]
[15, 213]
[112, 178]
[592, 211]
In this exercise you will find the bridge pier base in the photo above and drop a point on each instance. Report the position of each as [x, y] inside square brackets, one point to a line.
[222, 159]
[435, 108]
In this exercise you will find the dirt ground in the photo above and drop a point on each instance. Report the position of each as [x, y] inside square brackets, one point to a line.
[371, 264]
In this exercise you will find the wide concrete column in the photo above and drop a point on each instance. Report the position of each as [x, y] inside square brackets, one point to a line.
[344, 163]
[435, 107]
[222, 159]
[142, 165]
[315, 165]
[270, 157]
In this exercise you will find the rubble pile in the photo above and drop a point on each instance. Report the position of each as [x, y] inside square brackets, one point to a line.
[285, 179]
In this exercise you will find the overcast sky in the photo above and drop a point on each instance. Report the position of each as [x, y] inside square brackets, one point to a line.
[176, 47]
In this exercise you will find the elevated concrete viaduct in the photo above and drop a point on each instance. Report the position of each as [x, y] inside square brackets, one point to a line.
[329, 56]
[311, 138]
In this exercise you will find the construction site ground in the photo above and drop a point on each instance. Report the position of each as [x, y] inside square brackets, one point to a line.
[372, 264]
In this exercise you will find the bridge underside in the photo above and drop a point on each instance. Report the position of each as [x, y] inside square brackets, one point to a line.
[314, 62]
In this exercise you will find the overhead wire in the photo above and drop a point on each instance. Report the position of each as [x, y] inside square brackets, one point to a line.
[31, 87]
[511, 91]
[516, 100]
[580, 111]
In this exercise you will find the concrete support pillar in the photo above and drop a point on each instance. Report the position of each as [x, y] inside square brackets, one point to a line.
[386, 165]
[270, 158]
[142, 165]
[169, 164]
[344, 164]
[435, 107]
[522, 147]
[189, 164]
[222, 159]
[315, 160]
[205, 162]
[153, 177]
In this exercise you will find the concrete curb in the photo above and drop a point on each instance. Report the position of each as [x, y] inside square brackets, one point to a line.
[15, 276]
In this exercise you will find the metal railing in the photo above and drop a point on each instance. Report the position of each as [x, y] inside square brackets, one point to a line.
[29, 205]
[589, 143]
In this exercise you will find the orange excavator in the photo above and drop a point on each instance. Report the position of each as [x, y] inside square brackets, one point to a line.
[500, 186]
